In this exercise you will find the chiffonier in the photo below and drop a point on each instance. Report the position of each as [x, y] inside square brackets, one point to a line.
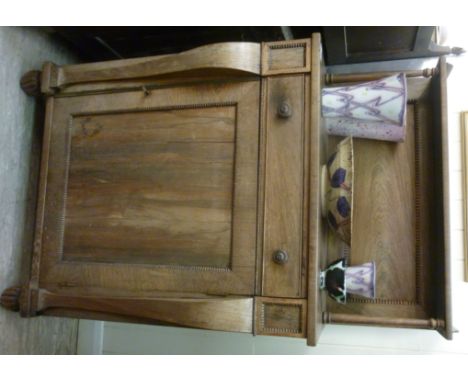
[184, 190]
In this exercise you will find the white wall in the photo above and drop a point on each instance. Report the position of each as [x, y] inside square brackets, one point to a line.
[336, 339]
[23, 49]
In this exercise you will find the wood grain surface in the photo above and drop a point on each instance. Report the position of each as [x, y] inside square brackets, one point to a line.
[234, 57]
[152, 187]
[284, 186]
[317, 237]
[280, 317]
[227, 314]
[154, 191]
[412, 323]
[442, 288]
[384, 212]
[284, 57]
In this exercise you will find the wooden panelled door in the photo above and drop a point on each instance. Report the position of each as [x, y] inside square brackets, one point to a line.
[153, 192]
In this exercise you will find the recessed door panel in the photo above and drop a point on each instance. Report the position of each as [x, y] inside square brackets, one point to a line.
[152, 187]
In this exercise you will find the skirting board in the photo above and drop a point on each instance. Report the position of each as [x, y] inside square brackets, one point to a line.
[90, 337]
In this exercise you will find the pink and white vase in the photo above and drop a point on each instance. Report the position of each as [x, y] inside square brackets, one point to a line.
[340, 280]
[373, 110]
[360, 280]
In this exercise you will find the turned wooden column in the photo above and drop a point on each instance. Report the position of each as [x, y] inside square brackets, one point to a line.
[31, 83]
[10, 298]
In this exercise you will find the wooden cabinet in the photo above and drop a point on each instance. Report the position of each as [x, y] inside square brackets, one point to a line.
[184, 190]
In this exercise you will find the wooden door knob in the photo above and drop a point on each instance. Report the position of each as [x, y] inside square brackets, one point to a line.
[284, 110]
[280, 257]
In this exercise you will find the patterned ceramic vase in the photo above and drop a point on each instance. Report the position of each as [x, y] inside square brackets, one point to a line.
[339, 280]
[374, 110]
[332, 280]
[337, 190]
[360, 280]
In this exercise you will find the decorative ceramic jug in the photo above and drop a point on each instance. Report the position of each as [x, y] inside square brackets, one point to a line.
[337, 190]
[339, 280]
[374, 110]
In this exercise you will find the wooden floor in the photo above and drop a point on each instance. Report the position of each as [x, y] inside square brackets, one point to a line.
[19, 156]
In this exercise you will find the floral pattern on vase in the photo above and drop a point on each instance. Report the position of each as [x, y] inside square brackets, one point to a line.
[374, 110]
[337, 183]
[339, 280]
[360, 280]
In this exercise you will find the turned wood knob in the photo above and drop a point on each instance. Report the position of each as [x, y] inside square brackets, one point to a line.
[31, 83]
[11, 299]
[429, 72]
[284, 110]
[280, 257]
[457, 50]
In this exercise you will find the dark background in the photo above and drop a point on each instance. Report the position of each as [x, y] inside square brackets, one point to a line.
[342, 45]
